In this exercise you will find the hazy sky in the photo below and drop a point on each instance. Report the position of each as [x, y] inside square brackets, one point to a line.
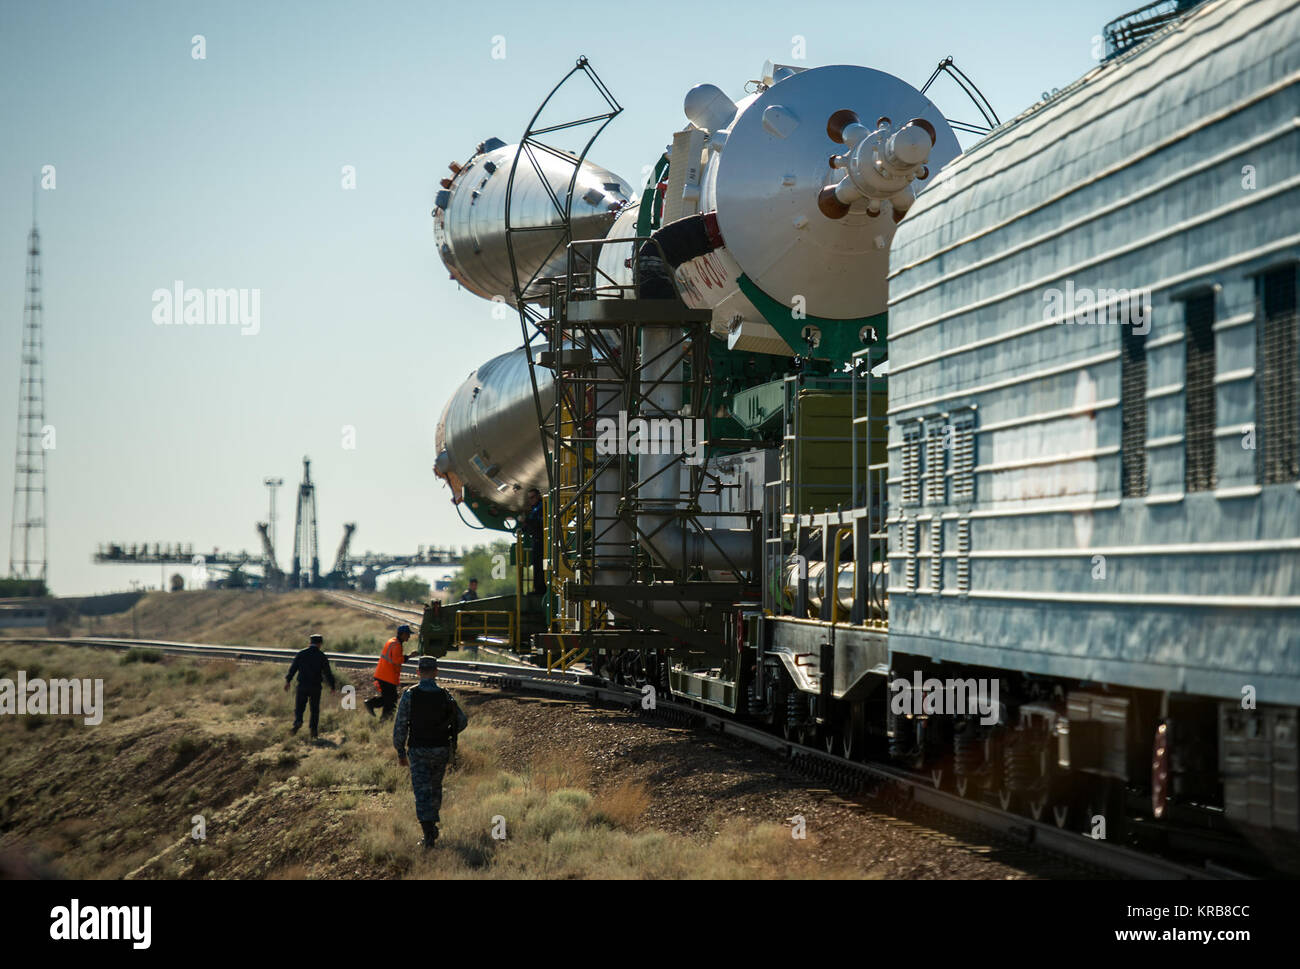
[226, 172]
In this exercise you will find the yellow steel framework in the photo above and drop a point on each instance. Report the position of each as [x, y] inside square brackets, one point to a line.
[574, 503]
[485, 623]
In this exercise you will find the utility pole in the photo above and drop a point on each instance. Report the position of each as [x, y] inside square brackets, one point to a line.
[28, 542]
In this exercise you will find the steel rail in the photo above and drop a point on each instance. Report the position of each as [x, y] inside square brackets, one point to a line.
[471, 671]
[395, 613]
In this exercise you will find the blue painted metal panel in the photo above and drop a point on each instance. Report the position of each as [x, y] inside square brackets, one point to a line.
[1172, 168]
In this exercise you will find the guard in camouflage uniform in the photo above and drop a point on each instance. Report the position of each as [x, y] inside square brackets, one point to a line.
[428, 720]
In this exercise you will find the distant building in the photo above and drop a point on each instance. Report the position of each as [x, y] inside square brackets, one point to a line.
[24, 613]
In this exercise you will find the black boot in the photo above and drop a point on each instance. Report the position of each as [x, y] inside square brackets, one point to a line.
[430, 834]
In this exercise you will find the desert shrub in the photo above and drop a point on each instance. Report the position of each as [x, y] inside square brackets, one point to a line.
[142, 654]
[185, 748]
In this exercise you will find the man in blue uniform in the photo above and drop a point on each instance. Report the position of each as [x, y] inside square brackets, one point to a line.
[312, 667]
[428, 720]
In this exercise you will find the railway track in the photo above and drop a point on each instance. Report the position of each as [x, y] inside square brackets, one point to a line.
[399, 614]
[840, 774]
[459, 670]
[376, 607]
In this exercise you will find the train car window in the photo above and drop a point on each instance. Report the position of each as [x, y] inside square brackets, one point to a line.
[935, 464]
[1199, 393]
[1276, 366]
[1133, 413]
[936, 556]
[912, 465]
[963, 555]
[963, 458]
[910, 548]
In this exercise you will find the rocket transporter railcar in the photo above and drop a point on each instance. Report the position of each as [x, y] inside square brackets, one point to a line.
[1001, 461]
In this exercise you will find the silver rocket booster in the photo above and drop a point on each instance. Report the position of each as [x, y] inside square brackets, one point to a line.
[488, 438]
[469, 215]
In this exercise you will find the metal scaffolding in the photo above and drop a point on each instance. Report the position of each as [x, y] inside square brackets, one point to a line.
[608, 508]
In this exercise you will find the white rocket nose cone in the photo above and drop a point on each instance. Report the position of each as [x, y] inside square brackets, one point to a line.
[708, 107]
[911, 145]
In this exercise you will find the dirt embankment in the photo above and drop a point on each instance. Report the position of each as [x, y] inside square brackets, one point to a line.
[251, 617]
[540, 789]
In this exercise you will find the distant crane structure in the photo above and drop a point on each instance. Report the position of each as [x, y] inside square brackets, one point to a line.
[351, 570]
[341, 565]
[28, 540]
[306, 555]
[361, 571]
[214, 563]
[271, 573]
[268, 534]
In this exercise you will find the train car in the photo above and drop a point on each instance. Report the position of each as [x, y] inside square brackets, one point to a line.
[986, 462]
[1097, 305]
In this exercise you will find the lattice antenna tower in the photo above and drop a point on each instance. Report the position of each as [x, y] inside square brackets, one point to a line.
[28, 541]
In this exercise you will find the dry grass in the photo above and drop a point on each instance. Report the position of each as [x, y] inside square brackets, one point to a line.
[623, 804]
[554, 771]
[182, 738]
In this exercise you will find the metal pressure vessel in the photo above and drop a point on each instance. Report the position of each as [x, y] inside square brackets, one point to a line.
[469, 216]
[796, 191]
[488, 439]
[784, 201]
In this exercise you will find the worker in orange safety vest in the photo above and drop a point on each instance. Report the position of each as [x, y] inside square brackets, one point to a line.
[388, 673]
